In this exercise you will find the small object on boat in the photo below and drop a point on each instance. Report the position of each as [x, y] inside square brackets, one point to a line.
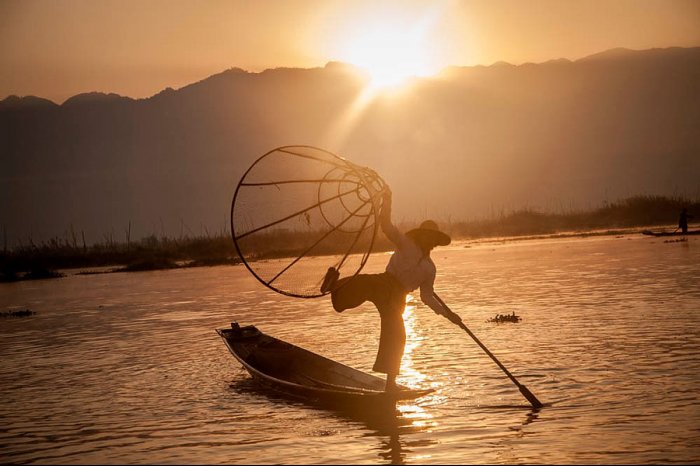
[669, 233]
[500, 318]
[299, 373]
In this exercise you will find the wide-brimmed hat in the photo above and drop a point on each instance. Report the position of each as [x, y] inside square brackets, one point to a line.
[430, 231]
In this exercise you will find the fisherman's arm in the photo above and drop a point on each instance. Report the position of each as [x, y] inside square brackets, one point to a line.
[388, 228]
[427, 295]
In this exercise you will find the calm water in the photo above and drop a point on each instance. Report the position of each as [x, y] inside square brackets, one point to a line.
[127, 368]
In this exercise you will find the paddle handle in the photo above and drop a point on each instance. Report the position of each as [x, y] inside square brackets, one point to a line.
[454, 318]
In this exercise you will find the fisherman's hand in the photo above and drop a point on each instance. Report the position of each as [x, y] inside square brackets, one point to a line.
[449, 315]
[386, 196]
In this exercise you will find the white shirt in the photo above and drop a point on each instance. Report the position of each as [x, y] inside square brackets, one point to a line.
[408, 265]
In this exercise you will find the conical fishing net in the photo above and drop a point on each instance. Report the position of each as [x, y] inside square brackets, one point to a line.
[299, 210]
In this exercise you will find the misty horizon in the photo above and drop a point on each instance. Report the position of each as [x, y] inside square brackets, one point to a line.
[57, 50]
[361, 72]
[558, 136]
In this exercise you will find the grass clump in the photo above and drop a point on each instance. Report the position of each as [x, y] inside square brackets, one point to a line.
[632, 212]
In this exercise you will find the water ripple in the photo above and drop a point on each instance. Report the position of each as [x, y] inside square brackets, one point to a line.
[126, 368]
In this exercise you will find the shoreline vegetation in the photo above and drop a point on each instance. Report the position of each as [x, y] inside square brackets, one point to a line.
[156, 253]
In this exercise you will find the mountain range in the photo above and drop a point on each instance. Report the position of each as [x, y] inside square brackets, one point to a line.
[469, 143]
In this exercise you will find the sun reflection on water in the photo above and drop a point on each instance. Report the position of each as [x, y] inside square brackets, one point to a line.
[410, 376]
[597, 341]
[419, 418]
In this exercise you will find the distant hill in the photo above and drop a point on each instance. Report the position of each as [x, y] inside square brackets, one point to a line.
[469, 143]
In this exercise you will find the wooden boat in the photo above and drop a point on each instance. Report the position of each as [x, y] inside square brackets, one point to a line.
[299, 373]
[670, 233]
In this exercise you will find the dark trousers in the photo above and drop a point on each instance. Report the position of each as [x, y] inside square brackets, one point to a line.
[390, 299]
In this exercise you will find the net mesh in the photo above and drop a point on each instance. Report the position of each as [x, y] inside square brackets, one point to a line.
[299, 210]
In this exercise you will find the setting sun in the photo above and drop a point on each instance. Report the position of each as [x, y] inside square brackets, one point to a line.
[392, 49]
[390, 57]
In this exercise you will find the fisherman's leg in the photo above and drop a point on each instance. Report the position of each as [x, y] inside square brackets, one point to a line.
[390, 383]
[350, 292]
[392, 339]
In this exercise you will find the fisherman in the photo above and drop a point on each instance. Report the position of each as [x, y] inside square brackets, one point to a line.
[409, 268]
[683, 220]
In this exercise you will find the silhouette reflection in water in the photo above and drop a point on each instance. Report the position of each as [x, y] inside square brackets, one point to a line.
[392, 425]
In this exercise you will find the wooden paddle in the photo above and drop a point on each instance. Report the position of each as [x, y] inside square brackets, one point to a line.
[454, 318]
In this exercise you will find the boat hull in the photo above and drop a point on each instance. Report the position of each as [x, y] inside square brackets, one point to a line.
[670, 233]
[301, 374]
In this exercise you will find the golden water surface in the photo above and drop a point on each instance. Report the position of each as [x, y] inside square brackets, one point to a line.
[127, 367]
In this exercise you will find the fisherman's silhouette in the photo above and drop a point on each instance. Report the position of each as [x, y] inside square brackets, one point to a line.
[410, 267]
[683, 220]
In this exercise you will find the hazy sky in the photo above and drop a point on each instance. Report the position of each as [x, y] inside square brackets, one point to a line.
[58, 48]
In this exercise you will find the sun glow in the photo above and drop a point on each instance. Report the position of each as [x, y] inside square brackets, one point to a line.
[390, 59]
[391, 46]
[392, 50]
